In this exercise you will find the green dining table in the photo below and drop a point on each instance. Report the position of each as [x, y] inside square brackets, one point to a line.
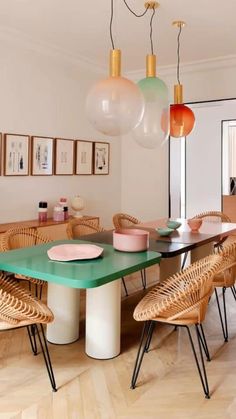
[101, 279]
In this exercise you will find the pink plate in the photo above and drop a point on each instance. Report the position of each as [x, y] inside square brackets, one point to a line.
[66, 252]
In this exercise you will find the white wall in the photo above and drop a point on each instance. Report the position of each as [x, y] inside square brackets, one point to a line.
[45, 95]
[144, 180]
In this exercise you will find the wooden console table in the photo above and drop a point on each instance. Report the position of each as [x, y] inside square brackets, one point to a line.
[56, 230]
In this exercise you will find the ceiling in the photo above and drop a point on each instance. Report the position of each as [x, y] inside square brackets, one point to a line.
[81, 29]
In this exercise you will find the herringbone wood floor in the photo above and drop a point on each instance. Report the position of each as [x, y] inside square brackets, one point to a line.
[168, 386]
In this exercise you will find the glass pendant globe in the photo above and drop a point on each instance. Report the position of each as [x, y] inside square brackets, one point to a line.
[114, 106]
[182, 120]
[153, 129]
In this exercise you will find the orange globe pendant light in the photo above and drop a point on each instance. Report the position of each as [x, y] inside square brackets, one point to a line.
[182, 118]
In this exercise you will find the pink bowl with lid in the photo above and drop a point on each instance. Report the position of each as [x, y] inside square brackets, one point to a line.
[131, 240]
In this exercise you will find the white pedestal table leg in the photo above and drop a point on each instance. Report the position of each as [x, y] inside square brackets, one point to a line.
[103, 310]
[64, 303]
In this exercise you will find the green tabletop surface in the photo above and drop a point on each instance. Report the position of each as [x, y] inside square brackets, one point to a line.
[34, 262]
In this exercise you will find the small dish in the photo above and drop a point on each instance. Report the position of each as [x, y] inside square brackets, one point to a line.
[194, 223]
[173, 224]
[164, 231]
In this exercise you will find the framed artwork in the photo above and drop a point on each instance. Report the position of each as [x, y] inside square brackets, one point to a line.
[101, 158]
[42, 156]
[64, 156]
[16, 154]
[84, 158]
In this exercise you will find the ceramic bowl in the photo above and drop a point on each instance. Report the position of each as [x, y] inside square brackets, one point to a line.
[164, 231]
[194, 223]
[130, 240]
[173, 224]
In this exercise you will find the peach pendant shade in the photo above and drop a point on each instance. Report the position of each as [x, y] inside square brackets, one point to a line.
[115, 105]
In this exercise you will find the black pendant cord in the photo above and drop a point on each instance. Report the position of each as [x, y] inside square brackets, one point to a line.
[151, 40]
[136, 15]
[111, 20]
[178, 53]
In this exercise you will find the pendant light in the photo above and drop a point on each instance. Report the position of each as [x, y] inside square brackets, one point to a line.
[114, 106]
[182, 118]
[153, 129]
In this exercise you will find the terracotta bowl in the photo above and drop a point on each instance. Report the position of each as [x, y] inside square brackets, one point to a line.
[130, 240]
[195, 223]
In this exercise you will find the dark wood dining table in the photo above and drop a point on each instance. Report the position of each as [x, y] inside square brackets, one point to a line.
[182, 240]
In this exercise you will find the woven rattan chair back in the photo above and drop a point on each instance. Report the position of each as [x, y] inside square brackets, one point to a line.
[121, 220]
[183, 297]
[226, 275]
[215, 217]
[225, 279]
[78, 227]
[18, 306]
[16, 238]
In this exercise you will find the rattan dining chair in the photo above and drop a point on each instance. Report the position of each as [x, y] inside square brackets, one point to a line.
[225, 279]
[16, 238]
[181, 300]
[18, 308]
[122, 220]
[215, 217]
[77, 227]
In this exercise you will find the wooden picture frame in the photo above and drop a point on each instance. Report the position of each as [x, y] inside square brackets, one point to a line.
[84, 158]
[42, 156]
[101, 161]
[64, 156]
[16, 154]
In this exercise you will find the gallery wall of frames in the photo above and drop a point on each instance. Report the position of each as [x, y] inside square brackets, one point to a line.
[25, 155]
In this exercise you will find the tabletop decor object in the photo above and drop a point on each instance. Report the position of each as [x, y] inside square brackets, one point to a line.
[164, 231]
[77, 204]
[131, 240]
[67, 252]
[194, 223]
[173, 224]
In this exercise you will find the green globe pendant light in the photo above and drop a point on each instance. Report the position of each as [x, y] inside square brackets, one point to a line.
[153, 129]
